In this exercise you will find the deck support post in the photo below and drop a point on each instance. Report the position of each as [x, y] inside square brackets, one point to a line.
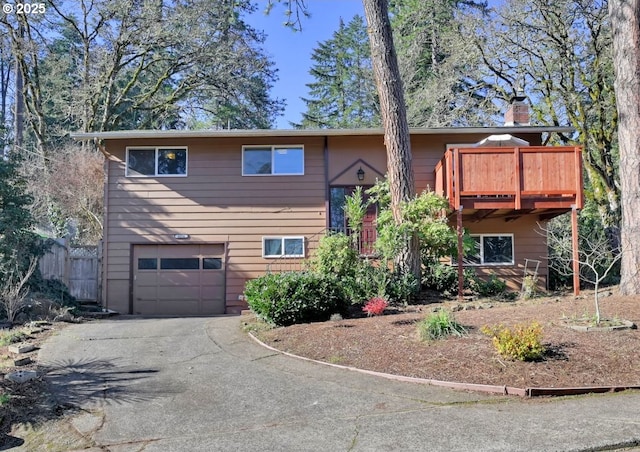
[460, 255]
[574, 247]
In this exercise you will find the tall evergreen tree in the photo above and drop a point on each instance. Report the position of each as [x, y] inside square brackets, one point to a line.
[343, 94]
[439, 68]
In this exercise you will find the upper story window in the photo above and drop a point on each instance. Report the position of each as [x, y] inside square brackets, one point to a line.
[491, 249]
[147, 162]
[272, 160]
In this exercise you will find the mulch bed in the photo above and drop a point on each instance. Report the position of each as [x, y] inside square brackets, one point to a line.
[390, 343]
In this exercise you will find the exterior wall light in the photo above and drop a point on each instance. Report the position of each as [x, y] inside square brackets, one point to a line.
[360, 174]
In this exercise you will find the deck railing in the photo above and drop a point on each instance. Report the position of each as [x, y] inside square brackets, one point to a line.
[532, 177]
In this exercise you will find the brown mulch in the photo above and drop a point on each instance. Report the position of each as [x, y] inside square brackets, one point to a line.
[390, 343]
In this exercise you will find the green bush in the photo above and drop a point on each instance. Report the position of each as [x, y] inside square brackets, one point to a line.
[401, 287]
[443, 278]
[299, 297]
[523, 342]
[335, 256]
[438, 325]
[489, 287]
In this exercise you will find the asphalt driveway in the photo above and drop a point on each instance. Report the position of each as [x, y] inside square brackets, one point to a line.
[200, 384]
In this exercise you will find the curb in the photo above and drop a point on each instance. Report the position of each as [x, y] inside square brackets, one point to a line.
[491, 389]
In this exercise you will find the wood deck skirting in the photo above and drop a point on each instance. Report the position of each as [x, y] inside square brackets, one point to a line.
[516, 178]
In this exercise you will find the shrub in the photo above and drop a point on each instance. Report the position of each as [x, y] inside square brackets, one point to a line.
[375, 306]
[443, 278]
[335, 256]
[400, 287]
[438, 325]
[490, 287]
[523, 342]
[299, 297]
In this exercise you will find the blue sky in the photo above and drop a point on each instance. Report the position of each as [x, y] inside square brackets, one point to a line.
[291, 50]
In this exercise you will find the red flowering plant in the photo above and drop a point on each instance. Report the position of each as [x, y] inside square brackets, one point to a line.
[375, 306]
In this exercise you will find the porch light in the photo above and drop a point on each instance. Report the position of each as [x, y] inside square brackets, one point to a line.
[360, 174]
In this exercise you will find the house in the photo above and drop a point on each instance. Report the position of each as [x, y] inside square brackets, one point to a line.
[190, 216]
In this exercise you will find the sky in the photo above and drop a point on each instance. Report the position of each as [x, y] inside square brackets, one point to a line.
[291, 50]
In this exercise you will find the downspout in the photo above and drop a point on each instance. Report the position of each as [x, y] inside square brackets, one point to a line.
[327, 193]
[105, 227]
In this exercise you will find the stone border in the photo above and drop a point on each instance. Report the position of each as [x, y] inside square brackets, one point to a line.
[626, 325]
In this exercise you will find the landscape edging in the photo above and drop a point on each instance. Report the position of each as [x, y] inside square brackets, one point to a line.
[492, 389]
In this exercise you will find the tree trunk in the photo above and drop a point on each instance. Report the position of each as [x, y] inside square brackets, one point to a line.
[393, 114]
[625, 23]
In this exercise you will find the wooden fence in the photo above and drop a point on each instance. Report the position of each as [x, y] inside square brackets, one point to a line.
[77, 267]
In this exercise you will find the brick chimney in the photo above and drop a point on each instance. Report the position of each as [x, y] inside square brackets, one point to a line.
[518, 112]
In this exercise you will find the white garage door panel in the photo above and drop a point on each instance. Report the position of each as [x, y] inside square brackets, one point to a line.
[165, 282]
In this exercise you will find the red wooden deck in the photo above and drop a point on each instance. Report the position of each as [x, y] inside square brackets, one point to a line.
[511, 181]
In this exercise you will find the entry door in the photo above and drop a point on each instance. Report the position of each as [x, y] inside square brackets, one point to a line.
[338, 220]
[178, 280]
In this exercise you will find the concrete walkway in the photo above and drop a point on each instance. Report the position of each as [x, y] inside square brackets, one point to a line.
[199, 384]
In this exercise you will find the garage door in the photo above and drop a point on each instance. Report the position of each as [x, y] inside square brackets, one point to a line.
[178, 279]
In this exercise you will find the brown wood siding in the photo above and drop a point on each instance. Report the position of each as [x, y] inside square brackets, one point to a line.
[213, 204]
[528, 241]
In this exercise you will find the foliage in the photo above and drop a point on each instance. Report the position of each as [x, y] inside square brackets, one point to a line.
[20, 248]
[375, 306]
[523, 342]
[439, 70]
[12, 337]
[559, 54]
[491, 287]
[421, 216]
[360, 279]
[355, 209]
[335, 256]
[287, 298]
[443, 277]
[438, 325]
[55, 291]
[343, 93]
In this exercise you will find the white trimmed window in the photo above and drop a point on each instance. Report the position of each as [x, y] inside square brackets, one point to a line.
[272, 160]
[156, 161]
[283, 247]
[491, 249]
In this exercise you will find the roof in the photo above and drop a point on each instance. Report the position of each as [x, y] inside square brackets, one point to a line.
[240, 133]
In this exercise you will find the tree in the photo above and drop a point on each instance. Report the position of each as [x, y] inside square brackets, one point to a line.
[343, 93]
[440, 71]
[20, 247]
[595, 259]
[625, 22]
[392, 112]
[559, 54]
[394, 121]
[98, 65]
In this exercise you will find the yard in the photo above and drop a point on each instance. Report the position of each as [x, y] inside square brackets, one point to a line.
[390, 343]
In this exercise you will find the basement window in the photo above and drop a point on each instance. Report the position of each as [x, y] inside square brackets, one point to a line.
[490, 249]
[283, 247]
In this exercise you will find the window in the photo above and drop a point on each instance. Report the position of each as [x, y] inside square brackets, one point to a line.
[283, 246]
[211, 263]
[491, 250]
[180, 263]
[147, 263]
[156, 162]
[272, 160]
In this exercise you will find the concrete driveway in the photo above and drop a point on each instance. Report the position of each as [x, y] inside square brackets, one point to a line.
[199, 384]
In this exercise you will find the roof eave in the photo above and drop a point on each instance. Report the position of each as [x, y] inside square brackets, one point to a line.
[239, 133]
